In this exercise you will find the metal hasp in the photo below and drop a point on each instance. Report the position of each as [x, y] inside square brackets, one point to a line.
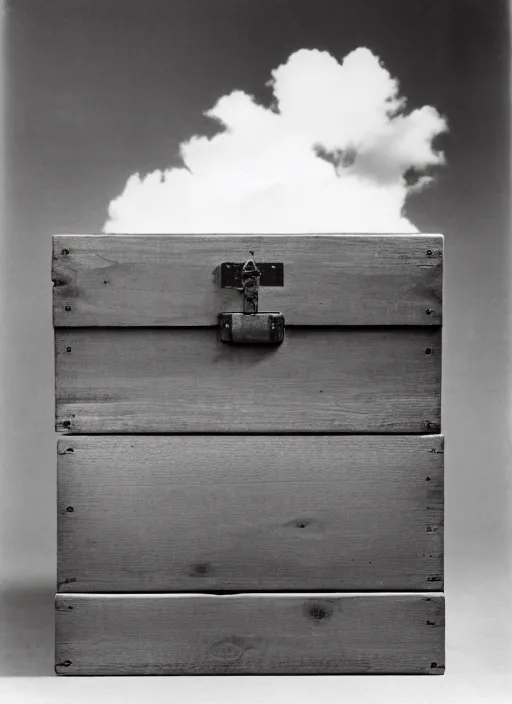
[250, 285]
[270, 273]
[251, 326]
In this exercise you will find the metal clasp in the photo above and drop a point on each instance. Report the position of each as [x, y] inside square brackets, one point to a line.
[251, 326]
[250, 285]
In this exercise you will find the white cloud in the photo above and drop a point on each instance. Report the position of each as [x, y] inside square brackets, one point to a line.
[329, 155]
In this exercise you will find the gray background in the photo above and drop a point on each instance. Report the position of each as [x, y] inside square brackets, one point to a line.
[92, 94]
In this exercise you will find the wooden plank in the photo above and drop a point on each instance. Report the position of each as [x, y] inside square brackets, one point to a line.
[174, 280]
[252, 634]
[250, 513]
[127, 380]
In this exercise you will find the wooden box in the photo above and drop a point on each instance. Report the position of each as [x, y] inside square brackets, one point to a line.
[236, 507]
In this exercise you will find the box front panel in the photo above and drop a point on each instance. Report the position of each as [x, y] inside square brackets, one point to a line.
[251, 634]
[186, 380]
[247, 513]
[175, 280]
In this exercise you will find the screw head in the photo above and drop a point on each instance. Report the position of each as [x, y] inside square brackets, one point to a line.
[68, 308]
[428, 350]
[65, 252]
[66, 423]
[429, 311]
[68, 349]
[69, 509]
[429, 252]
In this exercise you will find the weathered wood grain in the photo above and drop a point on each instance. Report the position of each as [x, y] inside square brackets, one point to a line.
[252, 634]
[126, 380]
[173, 280]
[250, 513]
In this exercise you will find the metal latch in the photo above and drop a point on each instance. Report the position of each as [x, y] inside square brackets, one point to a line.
[251, 326]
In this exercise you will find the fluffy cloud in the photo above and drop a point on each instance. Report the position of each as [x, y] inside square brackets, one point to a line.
[333, 153]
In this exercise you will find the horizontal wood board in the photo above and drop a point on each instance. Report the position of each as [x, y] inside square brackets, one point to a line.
[129, 380]
[250, 513]
[251, 634]
[173, 280]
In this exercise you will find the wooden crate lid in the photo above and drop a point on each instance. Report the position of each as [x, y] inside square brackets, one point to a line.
[173, 280]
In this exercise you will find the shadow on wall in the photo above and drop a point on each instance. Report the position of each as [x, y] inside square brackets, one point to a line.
[27, 632]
